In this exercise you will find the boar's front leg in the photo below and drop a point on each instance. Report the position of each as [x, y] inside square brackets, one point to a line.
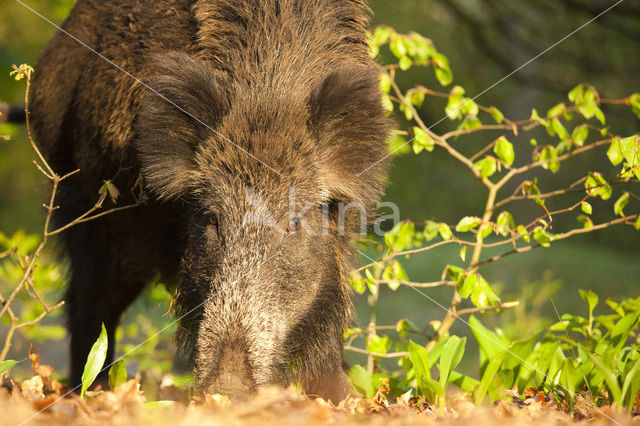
[98, 292]
[324, 374]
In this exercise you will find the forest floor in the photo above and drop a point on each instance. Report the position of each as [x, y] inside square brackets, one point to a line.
[43, 400]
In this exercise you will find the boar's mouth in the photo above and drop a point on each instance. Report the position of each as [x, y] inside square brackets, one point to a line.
[232, 376]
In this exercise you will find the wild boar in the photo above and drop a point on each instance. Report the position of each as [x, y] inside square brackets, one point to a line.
[226, 108]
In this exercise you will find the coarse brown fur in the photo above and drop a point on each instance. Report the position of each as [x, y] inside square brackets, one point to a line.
[217, 103]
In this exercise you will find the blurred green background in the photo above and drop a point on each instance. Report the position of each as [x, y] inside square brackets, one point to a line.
[485, 41]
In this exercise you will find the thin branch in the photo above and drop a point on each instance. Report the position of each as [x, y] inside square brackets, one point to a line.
[39, 317]
[86, 217]
[376, 354]
[416, 284]
[50, 173]
[505, 305]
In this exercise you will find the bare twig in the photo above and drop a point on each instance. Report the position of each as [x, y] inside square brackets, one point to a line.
[505, 305]
[376, 354]
[28, 264]
[417, 285]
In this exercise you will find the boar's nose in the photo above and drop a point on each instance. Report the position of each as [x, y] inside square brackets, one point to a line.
[234, 377]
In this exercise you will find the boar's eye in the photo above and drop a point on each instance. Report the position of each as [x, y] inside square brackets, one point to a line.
[293, 226]
[213, 219]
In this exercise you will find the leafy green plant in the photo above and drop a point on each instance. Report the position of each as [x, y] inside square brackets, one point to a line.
[599, 354]
[516, 157]
[25, 271]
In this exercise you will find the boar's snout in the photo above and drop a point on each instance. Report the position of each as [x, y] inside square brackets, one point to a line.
[233, 377]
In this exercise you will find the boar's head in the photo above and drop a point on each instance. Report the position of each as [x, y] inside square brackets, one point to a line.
[262, 293]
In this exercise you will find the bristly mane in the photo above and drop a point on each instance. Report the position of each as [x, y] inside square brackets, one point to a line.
[281, 41]
[284, 65]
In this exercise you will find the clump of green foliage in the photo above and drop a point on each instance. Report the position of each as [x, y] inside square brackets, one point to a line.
[598, 354]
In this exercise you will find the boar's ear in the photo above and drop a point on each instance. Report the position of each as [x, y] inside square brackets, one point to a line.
[348, 122]
[180, 111]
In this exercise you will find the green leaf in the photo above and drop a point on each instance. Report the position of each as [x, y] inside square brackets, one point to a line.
[95, 361]
[631, 385]
[405, 63]
[8, 365]
[482, 295]
[542, 237]
[419, 359]
[357, 282]
[454, 272]
[629, 148]
[404, 326]
[444, 76]
[536, 117]
[590, 299]
[445, 231]
[463, 253]
[361, 380]
[570, 378]
[117, 374]
[496, 114]
[470, 122]
[422, 140]
[484, 231]
[614, 154]
[441, 69]
[385, 82]
[491, 345]
[108, 188]
[424, 50]
[556, 110]
[398, 145]
[586, 208]
[576, 93]
[596, 185]
[634, 101]
[378, 344]
[504, 150]
[371, 282]
[523, 232]
[600, 115]
[505, 223]
[549, 153]
[610, 378]
[397, 47]
[559, 128]
[487, 166]
[637, 224]
[621, 330]
[465, 287]
[430, 230]
[466, 383]
[387, 104]
[620, 204]
[468, 223]
[455, 103]
[382, 34]
[393, 273]
[580, 134]
[488, 376]
[450, 357]
[585, 221]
